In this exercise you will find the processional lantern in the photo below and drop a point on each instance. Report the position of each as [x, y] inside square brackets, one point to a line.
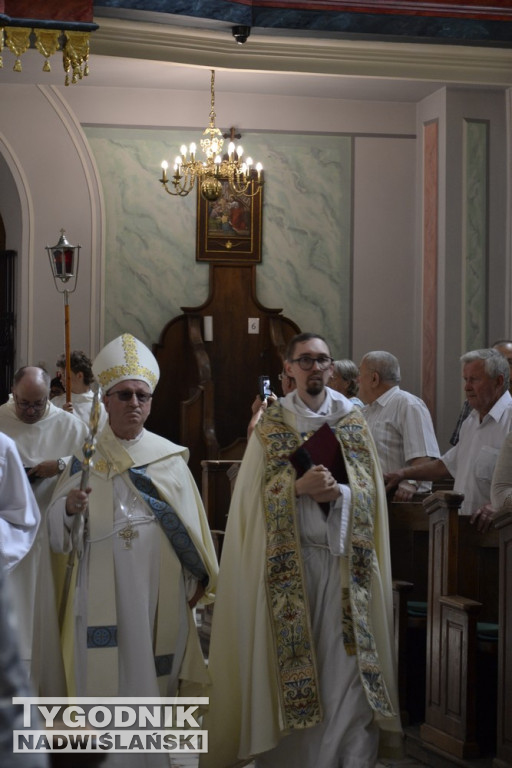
[64, 259]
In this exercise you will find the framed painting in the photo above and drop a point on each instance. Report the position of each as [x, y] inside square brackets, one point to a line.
[229, 228]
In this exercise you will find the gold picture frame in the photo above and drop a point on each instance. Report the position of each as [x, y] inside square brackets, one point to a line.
[229, 228]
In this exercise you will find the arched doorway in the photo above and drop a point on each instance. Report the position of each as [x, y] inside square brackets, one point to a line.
[7, 315]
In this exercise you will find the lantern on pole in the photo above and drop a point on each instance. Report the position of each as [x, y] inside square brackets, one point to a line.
[64, 259]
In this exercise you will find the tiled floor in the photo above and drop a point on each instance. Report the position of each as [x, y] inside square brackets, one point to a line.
[408, 762]
[191, 761]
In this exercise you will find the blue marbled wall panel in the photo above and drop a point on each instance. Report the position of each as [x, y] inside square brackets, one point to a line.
[150, 266]
[476, 222]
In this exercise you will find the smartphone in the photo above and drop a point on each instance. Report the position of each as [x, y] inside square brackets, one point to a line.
[264, 387]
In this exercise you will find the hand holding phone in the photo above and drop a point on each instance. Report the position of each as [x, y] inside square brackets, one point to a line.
[264, 388]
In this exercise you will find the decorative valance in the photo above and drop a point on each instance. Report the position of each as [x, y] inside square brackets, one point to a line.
[48, 27]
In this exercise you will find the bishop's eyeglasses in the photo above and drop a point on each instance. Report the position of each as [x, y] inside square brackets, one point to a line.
[125, 395]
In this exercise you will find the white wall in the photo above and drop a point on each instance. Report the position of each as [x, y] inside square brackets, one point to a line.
[452, 107]
[52, 172]
[47, 171]
[386, 258]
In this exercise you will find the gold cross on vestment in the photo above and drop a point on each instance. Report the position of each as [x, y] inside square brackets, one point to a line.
[127, 535]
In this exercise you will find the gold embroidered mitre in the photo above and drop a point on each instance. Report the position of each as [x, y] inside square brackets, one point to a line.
[126, 358]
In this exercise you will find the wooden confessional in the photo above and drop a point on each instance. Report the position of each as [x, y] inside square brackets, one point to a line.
[206, 388]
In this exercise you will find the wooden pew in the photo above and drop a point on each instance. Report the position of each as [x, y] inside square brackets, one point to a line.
[408, 534]
[463, 587]
[503, 758]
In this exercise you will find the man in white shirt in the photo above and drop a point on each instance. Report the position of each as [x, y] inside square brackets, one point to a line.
[400, 422]
[504, 347]
[472, 461]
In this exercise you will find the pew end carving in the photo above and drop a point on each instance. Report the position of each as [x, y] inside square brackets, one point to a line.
[463, 587]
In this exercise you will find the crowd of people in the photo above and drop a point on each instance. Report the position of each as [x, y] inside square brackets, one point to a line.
[106, 548]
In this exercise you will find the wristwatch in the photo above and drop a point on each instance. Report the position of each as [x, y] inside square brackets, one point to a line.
[61, 465]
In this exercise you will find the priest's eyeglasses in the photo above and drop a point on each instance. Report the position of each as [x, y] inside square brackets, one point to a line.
[125, 395]
[306, 362]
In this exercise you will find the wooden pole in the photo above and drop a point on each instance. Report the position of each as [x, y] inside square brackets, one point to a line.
[67, 347]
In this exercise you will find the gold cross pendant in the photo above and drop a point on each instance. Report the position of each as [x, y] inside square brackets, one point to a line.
[127, 535]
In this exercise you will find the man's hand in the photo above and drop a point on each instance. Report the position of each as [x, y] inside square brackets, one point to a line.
[483, 518]
[68, 407]
[392, 479]
[261, 405]
[48, 468]
[405, 491]
[76, 501]
[318, 483]
[258, 408]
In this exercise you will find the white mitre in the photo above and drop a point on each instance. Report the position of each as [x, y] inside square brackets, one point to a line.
[125, 358]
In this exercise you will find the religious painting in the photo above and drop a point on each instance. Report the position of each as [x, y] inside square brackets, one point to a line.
[229, 228]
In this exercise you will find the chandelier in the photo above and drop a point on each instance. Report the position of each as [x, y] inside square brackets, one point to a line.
[242, 178]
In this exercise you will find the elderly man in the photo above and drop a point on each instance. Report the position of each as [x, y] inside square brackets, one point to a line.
[45, 437]
[148, 554]
[400, 422]
[472, 461]
[504, 347]
[301, 654]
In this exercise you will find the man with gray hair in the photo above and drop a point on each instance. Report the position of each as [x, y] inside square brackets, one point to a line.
[399, 421]
[471, 462]
[504, 347]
